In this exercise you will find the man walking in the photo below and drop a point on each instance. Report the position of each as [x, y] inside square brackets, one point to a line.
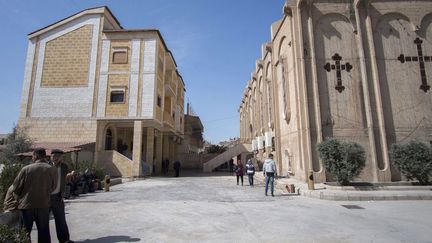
[57, 203]
[32, 189]
[269, 170]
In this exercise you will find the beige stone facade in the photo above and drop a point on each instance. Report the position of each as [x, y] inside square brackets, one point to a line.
[355, 70]
[66, 61]
[88, 80]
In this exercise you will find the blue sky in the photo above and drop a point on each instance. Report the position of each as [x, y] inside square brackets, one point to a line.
[215, 44]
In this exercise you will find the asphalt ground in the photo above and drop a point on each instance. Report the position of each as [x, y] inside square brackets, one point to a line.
[212, 208]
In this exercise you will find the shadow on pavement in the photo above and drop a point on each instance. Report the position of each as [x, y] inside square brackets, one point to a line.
[195, 173]
[111, 239]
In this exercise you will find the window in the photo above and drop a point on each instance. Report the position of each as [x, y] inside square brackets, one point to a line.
[159, 101]
[120, 56]
[117, 96]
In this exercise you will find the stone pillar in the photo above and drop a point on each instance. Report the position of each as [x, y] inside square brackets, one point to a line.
[159, 148]
[383, 174]
[166, 148]
[304, 128]
[316, 162]
[366, 94]
[100, 140]
[150, 147]
[137, 145]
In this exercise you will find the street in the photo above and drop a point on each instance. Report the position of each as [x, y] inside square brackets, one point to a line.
[212, 208]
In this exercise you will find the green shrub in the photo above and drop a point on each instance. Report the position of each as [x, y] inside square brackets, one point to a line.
[7, 177]
[414, 160]
[8, 234]
[216, 149]
[343, 159]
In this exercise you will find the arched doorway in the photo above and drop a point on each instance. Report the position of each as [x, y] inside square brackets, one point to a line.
[108, 140]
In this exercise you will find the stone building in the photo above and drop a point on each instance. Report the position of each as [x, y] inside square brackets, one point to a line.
[357, 70]
[190, 151]
[89, 80]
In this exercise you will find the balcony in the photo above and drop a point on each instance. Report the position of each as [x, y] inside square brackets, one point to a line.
[170, 89]
[168, 119]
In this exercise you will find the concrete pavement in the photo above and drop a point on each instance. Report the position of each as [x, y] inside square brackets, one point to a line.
[337, 193]
[212, 208]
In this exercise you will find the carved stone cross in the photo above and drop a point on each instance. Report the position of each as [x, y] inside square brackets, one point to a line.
[421, 60]
[338, 67]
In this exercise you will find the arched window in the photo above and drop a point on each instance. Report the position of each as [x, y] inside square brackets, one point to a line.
[108, 139]
[269, 92]
[261, 98]
[281, 69]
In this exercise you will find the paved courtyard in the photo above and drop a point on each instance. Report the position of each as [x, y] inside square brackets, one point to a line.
[203, 208]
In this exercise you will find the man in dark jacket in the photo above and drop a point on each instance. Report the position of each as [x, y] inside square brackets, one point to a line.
[177, 166]
[32, 189]
[57, 203]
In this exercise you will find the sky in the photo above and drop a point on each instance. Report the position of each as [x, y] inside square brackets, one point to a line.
[215, 45]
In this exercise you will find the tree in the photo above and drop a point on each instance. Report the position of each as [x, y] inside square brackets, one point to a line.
[343, 159]
[214, 149]
[414, 160]
[16, 142]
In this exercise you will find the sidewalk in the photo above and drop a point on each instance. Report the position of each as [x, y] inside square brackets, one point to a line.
[335, 193]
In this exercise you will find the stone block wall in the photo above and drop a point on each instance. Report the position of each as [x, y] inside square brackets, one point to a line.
[67, 59]
[60, 130]
[117, 109]
[120, 44]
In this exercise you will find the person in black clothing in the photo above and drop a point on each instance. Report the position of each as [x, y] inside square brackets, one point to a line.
[165, 166]
[231, 165]
[57, 203]
[177, 168]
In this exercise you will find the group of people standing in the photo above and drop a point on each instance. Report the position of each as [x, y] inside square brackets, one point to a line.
[269, 172]
[176, 167]
[38, 190]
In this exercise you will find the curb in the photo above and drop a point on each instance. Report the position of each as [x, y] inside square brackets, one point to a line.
[393, 194]
[370, 196]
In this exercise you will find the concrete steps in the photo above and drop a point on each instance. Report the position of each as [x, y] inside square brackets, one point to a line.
[240, 148]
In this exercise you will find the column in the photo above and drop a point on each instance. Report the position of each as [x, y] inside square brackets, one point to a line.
[366, 94]
[384, 174]
[166, 148]
[159, 148]
[137, 145]
[150, 147]
[100, 140]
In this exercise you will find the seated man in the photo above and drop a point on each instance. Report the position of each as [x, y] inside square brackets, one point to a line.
[11, 215]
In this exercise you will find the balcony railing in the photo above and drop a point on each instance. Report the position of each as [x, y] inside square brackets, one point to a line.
[168, 119]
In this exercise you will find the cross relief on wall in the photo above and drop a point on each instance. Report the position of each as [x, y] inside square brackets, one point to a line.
[339, 68]
[421, 60]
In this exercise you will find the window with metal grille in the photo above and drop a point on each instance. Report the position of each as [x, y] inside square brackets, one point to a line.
[117, 96]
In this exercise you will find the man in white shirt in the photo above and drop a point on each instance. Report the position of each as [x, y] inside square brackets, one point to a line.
[269, 170]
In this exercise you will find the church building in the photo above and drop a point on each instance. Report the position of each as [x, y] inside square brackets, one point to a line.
[90, 81]
[356, 70]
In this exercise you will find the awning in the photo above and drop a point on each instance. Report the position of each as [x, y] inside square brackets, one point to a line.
[67, 147]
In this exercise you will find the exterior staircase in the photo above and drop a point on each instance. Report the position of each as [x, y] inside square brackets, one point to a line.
[222, 158]
[115, 163]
